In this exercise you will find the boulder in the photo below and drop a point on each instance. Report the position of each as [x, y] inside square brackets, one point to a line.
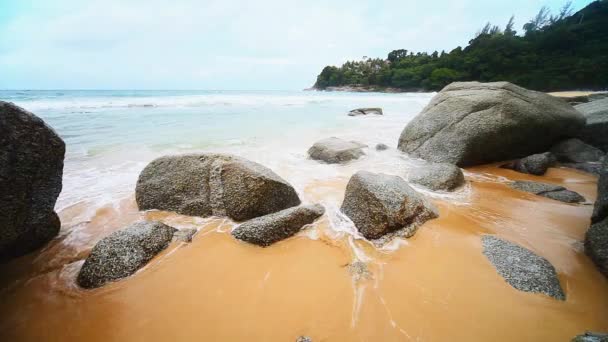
[596, 245]
[365, 111]
[576, 151]
[600, 209]
[31, 168]
[555, 192]
[470, 123]
[380, 204]
[123, 252]
[536, 164]
[595, 131]
[213, 184]
[438, 176]
[521, 268]
[266, 230]
[381, 147]
[334, 150]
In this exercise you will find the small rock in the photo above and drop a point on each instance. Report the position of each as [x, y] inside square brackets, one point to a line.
[266, 230]
[334, 150]
[591, 337]
[304, 339]
[184, 235]
[359, 271]
[536, 164]
[123, 252]
[365, 111]
[556, 192]
[596, 245]
[379, 204]
[381, 147]
[438, 176]
[576, 151]
[521, 268]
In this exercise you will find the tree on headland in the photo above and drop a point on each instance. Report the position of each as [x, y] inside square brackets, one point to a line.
[562, 51]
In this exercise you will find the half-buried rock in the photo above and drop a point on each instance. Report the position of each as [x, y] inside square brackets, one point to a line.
[266, 230]
[552, 191]
[335, 150]
[438, 176]
[31, 167]
[521, 268]
[536, 164]
[365, 111]
[380, 204]
[123, 252]
[213, 184]
[470, 123]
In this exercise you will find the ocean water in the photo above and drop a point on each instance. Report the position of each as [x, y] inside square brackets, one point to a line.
[112, 135]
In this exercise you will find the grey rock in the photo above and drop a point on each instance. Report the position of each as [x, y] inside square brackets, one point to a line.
[184, 235]
[600, 209]
[213, 184]
[31, 168]
[521, 268]
[379, 204]
[469, 123]
[334, 150]
[596, 245]
[593, 168]
[576, 151]
[123, 252]
[536, 164]
[595, 131]
[556, 192]
[266, 230]
[304, 339]
[365, 111]
[438, 176]
[591, 337]
[381, 147]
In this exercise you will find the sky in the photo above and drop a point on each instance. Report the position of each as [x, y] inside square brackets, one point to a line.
[227, 44]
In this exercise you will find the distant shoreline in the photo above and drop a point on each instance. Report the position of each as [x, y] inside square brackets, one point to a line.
[363, 89]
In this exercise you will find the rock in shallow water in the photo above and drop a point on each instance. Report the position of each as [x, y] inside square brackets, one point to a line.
[381, 147]
[438, 176]
[334, 150]
[123, 252]
[266, 230]
[379, 204]
[555, 192]
[469, 123]
[213, 184]
[521, 268]
[31, 168]
[536, 164]
[365, 111]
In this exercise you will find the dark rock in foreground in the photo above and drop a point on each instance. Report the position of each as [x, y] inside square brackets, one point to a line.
[600, 209]
[595, 131]
[438, 176]
[596, 245]
[213, 184]
[591, 337]
[31, 167]
[123, 252]
[266, 230]
[555, 192]
[576, 151]
[536, 164]
[470, 123]
[365, 111]
[521, 268]
[334, 150]
[381, 147]
[379, 204]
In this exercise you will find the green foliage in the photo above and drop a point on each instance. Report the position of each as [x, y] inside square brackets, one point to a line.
[557, 52]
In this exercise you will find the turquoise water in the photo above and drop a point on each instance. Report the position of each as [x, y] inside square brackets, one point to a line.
[112, 135]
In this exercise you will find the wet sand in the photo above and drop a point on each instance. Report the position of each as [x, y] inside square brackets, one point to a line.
[437, 286]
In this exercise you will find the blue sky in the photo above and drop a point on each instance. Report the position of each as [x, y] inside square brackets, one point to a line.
[208, 44]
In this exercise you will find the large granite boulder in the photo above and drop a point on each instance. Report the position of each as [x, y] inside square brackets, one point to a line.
[469, 123]
[536, 164]
[365, 111]
[266, 230]
[521, 268]
[552, 191]
[213, 184]
[595, 131]
[123, 252]
[31, 167]
[575, 151]
[438, 176]
[600, 209]
[335, 150]
[596, 245]
[380, 204]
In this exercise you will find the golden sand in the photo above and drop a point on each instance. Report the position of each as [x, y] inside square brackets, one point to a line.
[438, 286]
